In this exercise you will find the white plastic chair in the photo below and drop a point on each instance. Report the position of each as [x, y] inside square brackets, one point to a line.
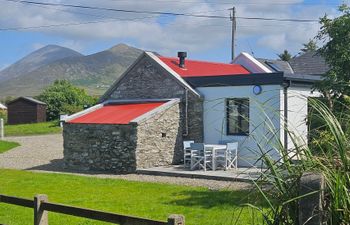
[231, 155]
[201, 156]
[187, 153]
[227, 158]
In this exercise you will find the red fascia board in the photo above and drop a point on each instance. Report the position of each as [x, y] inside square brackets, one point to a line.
[116, 114]
[194, 68]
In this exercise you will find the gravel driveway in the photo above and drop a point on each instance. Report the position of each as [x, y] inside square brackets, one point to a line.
[45, 153]
[35, 151]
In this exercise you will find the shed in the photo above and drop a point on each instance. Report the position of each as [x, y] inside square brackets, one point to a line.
[123, 136]
[26, 110]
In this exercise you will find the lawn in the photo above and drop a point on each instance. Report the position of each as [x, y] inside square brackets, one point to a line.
[7, 145]
[151, 200]
[32, 129]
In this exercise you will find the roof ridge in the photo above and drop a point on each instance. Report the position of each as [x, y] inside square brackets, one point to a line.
[204, 61]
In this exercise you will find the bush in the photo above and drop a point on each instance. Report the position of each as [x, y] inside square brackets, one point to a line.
[320, 135]
[62, 97]
[279, 184]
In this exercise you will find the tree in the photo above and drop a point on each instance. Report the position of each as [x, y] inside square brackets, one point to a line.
[309, 47]
[62, 97]
[285, 56]
[335, 33]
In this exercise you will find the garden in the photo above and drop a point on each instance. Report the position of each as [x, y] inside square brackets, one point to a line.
[143, 199]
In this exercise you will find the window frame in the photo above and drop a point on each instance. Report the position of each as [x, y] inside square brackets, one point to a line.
[240, 117]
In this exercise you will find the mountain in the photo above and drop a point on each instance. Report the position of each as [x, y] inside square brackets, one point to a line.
[94, 72]
[34, 60]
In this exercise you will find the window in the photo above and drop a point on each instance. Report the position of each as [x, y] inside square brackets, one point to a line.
[237, 116]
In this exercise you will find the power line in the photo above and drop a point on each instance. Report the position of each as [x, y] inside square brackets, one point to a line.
[164, 13]
[68, 24]
[76, 12]
[50, 25]
[113, 18]
[237, 3]
[279, 20]
[94, 15]
[45, 4]
[121, 10]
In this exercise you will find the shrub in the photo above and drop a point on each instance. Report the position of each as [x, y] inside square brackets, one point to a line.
[62, 97]
[332, 159]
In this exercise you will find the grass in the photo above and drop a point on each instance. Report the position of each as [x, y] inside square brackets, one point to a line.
[332, 159]
[7, 145]
[32, 129]
[150, 200]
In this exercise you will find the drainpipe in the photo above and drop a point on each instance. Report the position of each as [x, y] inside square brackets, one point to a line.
[186, 113]
[285, 95]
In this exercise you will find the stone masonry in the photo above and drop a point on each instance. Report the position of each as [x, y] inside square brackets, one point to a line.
[100, 147]
[148, 80]
[124, 148]
[158, 138]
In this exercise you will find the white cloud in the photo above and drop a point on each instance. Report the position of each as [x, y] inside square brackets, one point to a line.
[36, 46]
[274, 41]
[168, 35]
[73, 44]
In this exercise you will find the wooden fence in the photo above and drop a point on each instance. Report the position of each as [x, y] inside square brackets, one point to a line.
[41, 208]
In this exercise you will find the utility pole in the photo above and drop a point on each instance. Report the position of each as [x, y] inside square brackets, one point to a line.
[234, 26]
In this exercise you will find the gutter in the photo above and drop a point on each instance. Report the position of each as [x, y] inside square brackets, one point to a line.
[285, 112]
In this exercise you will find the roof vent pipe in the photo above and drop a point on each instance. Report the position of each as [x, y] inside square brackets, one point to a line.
[182, 56]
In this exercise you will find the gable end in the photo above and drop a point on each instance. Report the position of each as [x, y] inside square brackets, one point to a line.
[148, 79]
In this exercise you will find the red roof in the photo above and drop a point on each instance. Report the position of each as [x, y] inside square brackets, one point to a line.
[195, 68]
[116, 114]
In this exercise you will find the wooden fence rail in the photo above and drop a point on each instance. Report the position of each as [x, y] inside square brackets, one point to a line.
[41, 208]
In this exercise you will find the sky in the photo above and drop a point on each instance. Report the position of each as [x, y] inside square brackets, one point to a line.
[26, 27]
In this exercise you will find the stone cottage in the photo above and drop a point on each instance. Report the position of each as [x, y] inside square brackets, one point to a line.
[196, 100]
[121, 136]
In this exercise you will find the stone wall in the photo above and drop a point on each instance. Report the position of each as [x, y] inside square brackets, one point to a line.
[153, 141]
[158, 138]
[100, 147]
[148, 80]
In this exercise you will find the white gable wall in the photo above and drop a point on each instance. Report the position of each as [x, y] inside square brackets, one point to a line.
[251, 63]
[264, 116]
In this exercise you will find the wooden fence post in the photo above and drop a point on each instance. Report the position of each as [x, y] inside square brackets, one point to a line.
[40, 215]
[176, 220]
[2, 129]
[311, 206]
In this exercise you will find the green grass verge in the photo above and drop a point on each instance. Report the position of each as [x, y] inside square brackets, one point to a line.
[32, 129]
[7, 145]
[150, 200]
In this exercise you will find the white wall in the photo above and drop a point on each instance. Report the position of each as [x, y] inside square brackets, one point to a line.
[264, 116]
[297, 114]
[250, 63]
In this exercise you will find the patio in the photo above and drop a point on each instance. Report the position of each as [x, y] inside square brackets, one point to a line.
[239, 174]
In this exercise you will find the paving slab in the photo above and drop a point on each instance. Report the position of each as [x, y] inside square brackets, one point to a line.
[239, 174]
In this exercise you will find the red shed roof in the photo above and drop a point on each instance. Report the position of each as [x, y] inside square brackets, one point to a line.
[196, 68]
[116, 114]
